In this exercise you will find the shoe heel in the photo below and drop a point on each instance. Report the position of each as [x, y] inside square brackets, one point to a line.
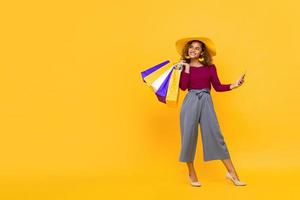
[194, 183]
[236, 182]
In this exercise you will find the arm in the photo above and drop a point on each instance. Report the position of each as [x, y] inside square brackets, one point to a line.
[184, 79]
[218, 86]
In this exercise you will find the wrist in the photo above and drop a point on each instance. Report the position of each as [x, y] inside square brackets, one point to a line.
[232, 86]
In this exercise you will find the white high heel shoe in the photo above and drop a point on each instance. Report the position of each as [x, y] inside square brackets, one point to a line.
[194, 183]
[236, 182]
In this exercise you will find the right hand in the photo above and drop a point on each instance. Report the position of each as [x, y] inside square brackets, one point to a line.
[182, 63]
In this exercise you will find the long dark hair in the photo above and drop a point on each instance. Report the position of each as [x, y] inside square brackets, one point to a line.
[204, 53]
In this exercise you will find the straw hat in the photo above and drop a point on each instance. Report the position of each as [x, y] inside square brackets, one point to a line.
[210, 46]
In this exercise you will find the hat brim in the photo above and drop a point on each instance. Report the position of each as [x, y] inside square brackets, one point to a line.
[210, 46]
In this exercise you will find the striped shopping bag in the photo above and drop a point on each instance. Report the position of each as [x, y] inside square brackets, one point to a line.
[164, 82]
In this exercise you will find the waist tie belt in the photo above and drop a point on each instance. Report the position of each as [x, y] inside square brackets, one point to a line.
[199, 92]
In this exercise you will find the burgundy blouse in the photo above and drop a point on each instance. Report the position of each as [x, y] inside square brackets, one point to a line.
[202, 77]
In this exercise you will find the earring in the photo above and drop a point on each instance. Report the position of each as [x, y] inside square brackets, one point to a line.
[187, 57]
[201, 57]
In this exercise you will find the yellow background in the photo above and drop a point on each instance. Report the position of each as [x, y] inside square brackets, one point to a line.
[77, 122]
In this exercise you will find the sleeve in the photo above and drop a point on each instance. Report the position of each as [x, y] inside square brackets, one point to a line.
[184, 80]
[218, 86]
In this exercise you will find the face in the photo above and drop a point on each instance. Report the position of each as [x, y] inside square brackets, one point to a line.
[194, 49]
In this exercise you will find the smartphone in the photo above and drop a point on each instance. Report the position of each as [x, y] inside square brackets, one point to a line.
[244, 73]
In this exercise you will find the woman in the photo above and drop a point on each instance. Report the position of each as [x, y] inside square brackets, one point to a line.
[197, 75]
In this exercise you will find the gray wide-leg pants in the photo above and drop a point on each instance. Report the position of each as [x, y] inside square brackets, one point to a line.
[197, 108]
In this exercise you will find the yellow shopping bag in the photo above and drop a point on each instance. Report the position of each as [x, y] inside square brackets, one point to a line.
[173, 88]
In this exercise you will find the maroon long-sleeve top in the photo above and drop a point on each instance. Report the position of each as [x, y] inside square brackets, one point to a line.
[202, 77]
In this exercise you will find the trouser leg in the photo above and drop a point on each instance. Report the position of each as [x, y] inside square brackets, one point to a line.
[214, 146]
[189, 117]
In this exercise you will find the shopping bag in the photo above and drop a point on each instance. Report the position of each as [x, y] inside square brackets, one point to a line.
[153, 69]
[173, 88]
[146, 75]
[161, 80]
[158, 78]
[161, 92]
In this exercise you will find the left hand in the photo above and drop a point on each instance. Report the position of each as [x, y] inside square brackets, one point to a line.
[239, 82]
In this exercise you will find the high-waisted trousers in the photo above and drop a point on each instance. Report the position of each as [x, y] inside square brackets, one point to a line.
[197, 108]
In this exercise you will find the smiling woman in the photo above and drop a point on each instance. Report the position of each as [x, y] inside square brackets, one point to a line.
[197, 75]
[196, 48]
